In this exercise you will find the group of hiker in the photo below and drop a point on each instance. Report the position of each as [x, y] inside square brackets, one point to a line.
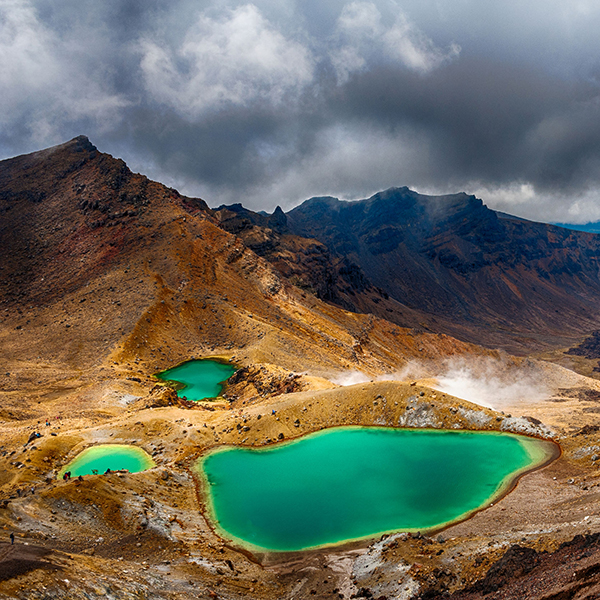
[67, 476]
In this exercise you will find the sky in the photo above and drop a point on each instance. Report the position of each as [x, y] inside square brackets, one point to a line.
[272, 102]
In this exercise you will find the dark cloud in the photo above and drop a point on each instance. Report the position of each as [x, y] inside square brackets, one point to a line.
[271, 102]
[483, 118]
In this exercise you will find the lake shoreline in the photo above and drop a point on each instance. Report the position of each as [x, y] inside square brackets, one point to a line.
[185, 376]
[544, 452]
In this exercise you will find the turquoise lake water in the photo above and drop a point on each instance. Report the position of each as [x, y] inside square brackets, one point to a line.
[200, 379]
[351, 483]
[109, 456]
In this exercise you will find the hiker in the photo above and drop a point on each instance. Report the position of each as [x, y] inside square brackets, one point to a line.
[12, 538]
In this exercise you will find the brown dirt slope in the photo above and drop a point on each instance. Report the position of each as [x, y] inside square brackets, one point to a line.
[572, 571]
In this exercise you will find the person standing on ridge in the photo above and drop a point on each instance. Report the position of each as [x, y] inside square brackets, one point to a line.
[12, 538]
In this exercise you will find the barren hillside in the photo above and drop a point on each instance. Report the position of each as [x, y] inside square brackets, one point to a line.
[108, 277]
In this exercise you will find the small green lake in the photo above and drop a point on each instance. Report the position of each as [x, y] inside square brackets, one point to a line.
[198, 379]
[352, 483]
[115, 457]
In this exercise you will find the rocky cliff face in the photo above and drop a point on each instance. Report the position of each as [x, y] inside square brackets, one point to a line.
[572, 571]
[476, 273]
[306, 262]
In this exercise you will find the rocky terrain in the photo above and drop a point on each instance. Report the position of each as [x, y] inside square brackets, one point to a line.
[524, 573]
[109, 277]
[446, 262]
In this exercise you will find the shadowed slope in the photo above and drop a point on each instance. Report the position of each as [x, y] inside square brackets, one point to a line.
[491, 277]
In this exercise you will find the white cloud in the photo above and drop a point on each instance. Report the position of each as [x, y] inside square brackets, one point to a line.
[43, 79]
[524, 200]
[507, 196]
[404, 42]
[362, 37]
[235, 60]
[360, 20]
[24, 43]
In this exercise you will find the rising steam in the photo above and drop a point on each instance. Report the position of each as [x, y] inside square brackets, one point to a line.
[351, 378]
[493, 383]
[496, 383]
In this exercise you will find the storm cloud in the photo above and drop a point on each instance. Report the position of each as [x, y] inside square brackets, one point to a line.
[269, 103]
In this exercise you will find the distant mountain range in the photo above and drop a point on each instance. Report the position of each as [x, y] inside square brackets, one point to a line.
[589, 227]
[447, 262]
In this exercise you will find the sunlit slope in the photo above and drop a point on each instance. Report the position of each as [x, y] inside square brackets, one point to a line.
[108, 270]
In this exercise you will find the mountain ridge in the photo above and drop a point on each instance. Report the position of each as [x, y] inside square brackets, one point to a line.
[108, 277]
[448, 263]
[451, 255]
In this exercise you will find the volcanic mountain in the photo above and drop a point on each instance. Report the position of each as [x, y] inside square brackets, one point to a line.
[103, 266]
[107, 277]
[448, 262]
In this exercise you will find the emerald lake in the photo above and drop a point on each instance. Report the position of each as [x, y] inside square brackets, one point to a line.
[352, 483]
[115, 457]
[198, 379]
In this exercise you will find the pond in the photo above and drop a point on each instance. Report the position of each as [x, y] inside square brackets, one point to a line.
[351, 483]
[115, 457]
[198, 379]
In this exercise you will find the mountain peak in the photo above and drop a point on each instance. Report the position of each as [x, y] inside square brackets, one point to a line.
[81, 143]
[73, 151]
[278, 220]
[323, 200]
[393, 191]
